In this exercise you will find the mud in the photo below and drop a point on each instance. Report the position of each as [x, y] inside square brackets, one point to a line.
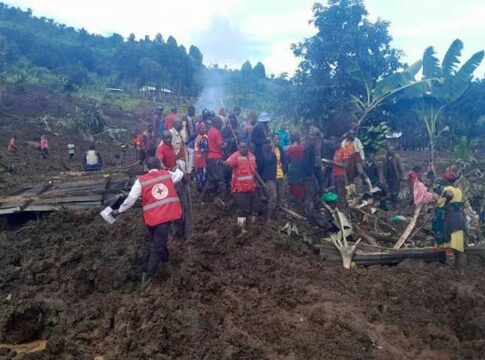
[74, 281]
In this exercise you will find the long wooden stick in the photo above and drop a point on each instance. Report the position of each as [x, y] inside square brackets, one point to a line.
[370, 239]
[409, 228]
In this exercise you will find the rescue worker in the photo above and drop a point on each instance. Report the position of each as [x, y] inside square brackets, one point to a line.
[201, 148]
[165, 153]
[92, 160]
[355, 152]
[281, 170]
[44, 146]
[339, 166]
[260, 137]
[161, 207]
[12, 145]
[295, 173]
[448, 224]
[215, 167]
[243, 184]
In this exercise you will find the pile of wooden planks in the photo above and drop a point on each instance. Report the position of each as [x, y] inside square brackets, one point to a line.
[69, 191]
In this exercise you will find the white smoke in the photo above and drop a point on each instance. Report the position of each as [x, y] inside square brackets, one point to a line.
[212, 96]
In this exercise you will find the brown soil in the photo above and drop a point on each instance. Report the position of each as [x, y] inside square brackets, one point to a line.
[73, 280]
[261, 296]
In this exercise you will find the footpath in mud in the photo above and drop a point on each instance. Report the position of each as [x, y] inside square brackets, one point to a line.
[72, 280]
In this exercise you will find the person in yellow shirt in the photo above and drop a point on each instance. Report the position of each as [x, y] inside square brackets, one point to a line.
[281, 170]
[448, 223]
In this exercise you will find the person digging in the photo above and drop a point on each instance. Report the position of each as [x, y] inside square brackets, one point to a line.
[161, 207]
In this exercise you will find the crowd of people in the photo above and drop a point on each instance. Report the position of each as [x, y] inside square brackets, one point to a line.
[263, 168]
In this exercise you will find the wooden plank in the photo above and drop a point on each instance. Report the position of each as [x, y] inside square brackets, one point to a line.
[63, 200]
[391, 259]
[10, 210]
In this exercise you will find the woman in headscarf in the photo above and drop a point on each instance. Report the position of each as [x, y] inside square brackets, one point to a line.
[448, 223]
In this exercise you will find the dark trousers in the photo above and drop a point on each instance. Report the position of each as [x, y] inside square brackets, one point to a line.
[340, 184]
[247, 203]
[310, 192]
[158, 248]
[327, 176]
[200, 176]
[216, 177]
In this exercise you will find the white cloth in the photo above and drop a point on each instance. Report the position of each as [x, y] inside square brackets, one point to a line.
[92, 157]
[136, 190]
[358, 147]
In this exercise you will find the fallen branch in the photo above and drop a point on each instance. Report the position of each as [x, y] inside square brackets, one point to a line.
[375, 218]
[409, 228]
[368, 238]
[292, 213]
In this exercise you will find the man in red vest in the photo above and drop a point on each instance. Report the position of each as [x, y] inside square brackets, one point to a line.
[243, 184]
[161, 207]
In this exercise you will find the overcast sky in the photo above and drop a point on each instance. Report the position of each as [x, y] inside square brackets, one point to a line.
[230, 31]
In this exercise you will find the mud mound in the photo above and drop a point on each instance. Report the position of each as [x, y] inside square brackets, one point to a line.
[74, 281]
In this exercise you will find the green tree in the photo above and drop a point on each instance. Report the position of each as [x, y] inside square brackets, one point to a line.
[345, 39]
[259, 71]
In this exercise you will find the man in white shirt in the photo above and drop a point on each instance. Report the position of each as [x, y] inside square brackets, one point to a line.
[92, 159]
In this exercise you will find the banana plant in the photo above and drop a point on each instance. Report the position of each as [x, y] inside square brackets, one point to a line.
[443, 86]
[385, 88]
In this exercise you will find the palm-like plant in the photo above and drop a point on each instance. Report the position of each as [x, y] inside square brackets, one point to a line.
[443, 86]
[383, 89]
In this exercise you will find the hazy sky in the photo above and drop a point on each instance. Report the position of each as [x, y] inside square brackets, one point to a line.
[231, 31]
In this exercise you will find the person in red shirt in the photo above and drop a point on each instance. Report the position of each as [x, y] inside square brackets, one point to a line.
[295, 175]
[339, 173]
[165, 152]
[216, 171]
[243, 184]
[170, 118]
[12, 145]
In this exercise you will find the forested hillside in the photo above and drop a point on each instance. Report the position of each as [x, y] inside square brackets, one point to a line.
[41, 51]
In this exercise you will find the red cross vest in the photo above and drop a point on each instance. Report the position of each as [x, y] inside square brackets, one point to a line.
[159, 199]
[243, 174]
